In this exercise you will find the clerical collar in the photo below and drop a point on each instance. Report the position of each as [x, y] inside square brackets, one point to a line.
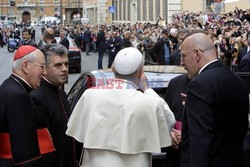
[58, 87]
[22, 82]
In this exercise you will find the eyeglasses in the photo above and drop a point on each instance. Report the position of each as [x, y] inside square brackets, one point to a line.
[184, 55]
[43, 66]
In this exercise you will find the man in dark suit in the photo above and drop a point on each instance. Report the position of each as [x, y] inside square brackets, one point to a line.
[113, 44]
[48, 37]
[87, 40]
[245, 67]
[125, 42]
[215, 117]
[161, 51]
[243, 51]
[64, 40]
[176, 87]
[26, 35]
[101, 45]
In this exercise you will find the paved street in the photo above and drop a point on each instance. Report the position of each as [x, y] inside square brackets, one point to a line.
[88, 63]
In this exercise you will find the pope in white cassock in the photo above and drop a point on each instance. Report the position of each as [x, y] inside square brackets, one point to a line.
[119, 125]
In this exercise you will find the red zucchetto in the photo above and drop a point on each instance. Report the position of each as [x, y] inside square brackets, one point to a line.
[23, 51]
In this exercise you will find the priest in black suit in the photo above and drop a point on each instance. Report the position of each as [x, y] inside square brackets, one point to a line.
[216, 110]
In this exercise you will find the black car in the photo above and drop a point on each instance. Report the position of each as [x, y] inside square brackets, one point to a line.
[158, 77]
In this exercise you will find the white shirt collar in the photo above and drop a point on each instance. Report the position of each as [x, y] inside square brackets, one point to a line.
[22, 79]
[207, 65]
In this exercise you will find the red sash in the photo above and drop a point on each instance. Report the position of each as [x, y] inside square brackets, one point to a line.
[44, 140]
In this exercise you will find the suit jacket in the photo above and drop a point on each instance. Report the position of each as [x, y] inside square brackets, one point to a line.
[245, 67]
[29, 42]
[65, 42]
[101, 41]
[157, 52]
[113, 45]
[124, 44]
[175, 58]
[177, 86]
[215, 119]
[241, 54]
[87, 36]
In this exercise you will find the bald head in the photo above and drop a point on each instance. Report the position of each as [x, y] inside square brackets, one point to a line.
[49, 35]
[197, 50]
[203, 43]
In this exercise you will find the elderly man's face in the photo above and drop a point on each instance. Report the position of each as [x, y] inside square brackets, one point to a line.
[36, 70]
[188, 59]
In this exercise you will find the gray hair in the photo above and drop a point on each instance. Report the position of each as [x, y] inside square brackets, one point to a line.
[29, 57]
[53, 49]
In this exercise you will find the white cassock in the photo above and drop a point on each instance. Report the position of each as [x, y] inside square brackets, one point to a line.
[120, 126]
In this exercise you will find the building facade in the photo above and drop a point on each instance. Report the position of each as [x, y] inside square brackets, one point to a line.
[132, 11]
[35, 10]
[97, 11]
[108, 11]
[144, 10]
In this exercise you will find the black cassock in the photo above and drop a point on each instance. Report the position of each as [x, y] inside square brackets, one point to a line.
[52, 105]
[18, 120]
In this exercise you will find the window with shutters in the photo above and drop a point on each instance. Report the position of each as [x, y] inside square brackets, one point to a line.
[157, 9]
[139, 10]
[150, 10]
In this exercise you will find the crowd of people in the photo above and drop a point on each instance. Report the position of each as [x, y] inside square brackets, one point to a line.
[228, 32]
[203, 119]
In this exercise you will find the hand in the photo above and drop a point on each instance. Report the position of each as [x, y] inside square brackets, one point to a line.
[177, 135]
[176, 138]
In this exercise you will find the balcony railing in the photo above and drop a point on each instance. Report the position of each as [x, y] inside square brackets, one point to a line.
[26, 4]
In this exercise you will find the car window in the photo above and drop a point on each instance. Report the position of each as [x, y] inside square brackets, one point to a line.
[158, 81]
[77, 90]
